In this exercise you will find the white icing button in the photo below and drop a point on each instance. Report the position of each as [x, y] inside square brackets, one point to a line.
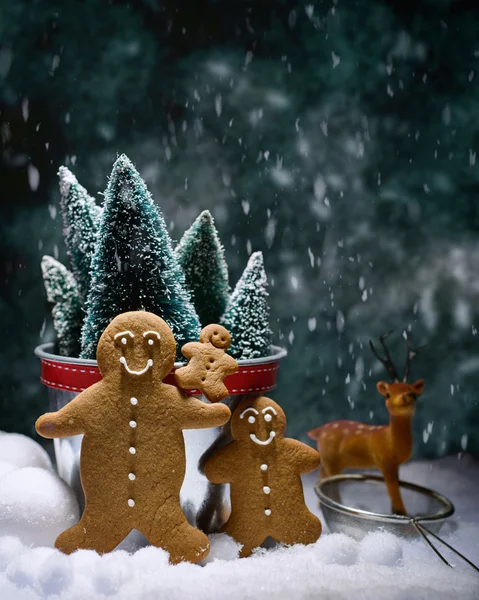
[251, 419]
[266, 489]
[134, 401]
[151, 342]
[131, 502]
[264, 467]
[133, 424]
[123, 340]
[267, 512]
[132, 450]
[268, 417]
[131, 476]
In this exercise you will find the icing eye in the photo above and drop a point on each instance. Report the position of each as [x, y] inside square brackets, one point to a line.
[267, 417]
[251, 419]
[123, 340]
[151, 342]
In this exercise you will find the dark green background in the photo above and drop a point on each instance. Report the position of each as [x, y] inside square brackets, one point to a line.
[338, 137]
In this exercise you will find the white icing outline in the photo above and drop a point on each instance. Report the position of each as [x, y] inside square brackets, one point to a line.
[149, 364]
[153, 332]
[124, 333]
[271, 437]
[246, 410]
[273, 410]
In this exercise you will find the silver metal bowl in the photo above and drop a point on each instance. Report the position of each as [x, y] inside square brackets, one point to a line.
[357, 504]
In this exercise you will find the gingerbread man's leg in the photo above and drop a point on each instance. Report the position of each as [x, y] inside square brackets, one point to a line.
[299, 527]
[169, 529]
[93, 533]
[244, 531]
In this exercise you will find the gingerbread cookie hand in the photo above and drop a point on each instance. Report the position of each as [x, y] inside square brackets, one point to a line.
[263, 469]
[208, 363]
[69, 420]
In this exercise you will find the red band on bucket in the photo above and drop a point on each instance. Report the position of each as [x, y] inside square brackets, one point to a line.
[74, 377]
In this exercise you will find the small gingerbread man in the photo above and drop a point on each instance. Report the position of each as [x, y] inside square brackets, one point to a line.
[132, 459]
[208, 363]
[264, 469]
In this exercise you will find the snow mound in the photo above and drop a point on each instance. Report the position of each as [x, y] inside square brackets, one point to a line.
[36, 506]
[335, 566]
[24, 568]
[6, 467]
[112, 572]
[222, 547]
[381, 548]
[9, 548]
[22, 451]
[337, 549]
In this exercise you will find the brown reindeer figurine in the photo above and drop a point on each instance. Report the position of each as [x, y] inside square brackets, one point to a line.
[348, 444]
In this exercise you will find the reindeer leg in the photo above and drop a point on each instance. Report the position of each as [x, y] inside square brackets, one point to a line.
[391, 479]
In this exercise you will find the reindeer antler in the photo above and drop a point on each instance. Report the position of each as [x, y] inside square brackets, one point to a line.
[411, 354]
[387, 362]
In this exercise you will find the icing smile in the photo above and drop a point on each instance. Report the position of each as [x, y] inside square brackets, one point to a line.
[272, 435]
[131, 372]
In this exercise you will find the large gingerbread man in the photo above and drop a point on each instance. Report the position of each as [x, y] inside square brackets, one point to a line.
[132, 460]
[264, 469]
[208, 363]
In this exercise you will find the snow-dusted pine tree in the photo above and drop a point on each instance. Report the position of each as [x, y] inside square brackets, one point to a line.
[134, 267]
[202, 258]
[67, 312]
[247, 314]
[81, 220]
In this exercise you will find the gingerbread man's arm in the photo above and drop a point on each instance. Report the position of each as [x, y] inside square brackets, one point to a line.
[303, 457]
[195, 414]
[71, 419]
[190, 349]
[221, 466]
[231, 365]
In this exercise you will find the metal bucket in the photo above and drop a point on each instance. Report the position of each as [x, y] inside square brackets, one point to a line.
[204, 503]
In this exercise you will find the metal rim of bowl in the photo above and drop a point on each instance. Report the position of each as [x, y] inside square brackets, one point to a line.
[45, 351]
[447, 511]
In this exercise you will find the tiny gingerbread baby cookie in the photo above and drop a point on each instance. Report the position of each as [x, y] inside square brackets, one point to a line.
[208, 363]
[132, 460]
[264, 469]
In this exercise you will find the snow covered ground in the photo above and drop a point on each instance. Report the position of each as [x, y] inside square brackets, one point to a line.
[380, 566]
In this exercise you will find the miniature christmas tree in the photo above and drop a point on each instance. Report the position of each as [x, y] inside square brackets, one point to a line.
[81, 220]
[247, 314]
[67, 312]
[201, 256]
[134, 267]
